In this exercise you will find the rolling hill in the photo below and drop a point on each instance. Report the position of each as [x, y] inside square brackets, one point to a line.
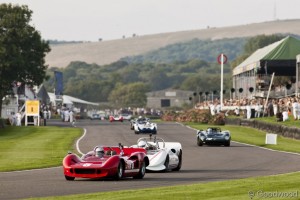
[106, 52]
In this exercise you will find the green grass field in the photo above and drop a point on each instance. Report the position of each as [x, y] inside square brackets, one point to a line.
[35, 147]
[46, 147]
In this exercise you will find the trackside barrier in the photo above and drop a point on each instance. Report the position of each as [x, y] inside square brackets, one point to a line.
[279, 129]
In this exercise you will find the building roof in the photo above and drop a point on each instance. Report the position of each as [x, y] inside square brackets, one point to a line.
[282, 51]
[71, 100]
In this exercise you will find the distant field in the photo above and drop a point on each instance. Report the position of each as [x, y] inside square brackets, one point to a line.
[106, 52]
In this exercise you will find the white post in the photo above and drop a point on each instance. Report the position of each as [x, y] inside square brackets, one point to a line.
[265, 107]
[221, 92]
[297, 74]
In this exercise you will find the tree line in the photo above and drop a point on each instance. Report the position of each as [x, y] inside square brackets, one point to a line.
[125, 82]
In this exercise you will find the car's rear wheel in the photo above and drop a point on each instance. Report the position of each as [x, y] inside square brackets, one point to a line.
[199, 142]
[142, 171]
[69, 178]
[180, 161]
[120, 171]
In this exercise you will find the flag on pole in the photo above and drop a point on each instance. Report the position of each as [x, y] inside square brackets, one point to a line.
[58, 83]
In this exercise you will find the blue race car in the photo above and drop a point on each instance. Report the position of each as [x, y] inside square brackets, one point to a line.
[213, 136]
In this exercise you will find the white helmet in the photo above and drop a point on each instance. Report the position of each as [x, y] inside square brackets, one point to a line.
[142, 144]
[99, 152]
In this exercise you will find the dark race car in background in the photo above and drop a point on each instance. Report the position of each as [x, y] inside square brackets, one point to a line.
[213, 136]
[144, 126]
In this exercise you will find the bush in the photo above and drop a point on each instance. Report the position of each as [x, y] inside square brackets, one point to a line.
[195, 115]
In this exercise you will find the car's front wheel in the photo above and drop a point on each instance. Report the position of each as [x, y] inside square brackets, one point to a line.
[69, 178]
[227, 144]
[142, 171]
[120, 171]
[180, 161]
[154, 131]
[199, 142]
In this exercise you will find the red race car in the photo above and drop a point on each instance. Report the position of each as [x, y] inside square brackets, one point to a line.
[114, 118]
[103, 161]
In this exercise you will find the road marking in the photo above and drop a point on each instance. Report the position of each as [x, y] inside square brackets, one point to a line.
[77, 142]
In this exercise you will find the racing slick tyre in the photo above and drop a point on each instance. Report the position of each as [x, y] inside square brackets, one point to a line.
[199, 142]
[120, 171]
[227, 144]
[154, 131]
[166, 164]
[69, 178]
[142, 171]
[180, 162]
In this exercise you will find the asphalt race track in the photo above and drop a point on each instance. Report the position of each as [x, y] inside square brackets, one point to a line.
[200, 164]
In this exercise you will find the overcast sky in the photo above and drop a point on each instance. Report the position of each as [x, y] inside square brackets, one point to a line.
[89, 20]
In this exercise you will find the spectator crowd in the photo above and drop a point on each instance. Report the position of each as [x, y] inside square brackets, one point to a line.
[283, 108]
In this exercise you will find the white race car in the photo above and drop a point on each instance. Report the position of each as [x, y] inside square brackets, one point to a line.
[144, 126]
[163, 156]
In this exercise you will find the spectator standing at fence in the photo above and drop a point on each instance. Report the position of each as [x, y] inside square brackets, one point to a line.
[218, 107]
[71, 116]
[285, 115]
[270, 110]
[212, 109]
[45, 113]
[295, 108]
[18, 119]
[12, 118]
[66, 115]
[49, 114]
[237, 111]
[248, 111]
[298, 111]
[258, 109]
[275, 107]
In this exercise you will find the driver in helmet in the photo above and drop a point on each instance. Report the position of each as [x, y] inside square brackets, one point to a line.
[99, 152]
[209, 130]
[142, 144]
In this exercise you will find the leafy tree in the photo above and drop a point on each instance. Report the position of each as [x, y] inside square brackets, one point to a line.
[158, 79]
[207, 50]
[260, 41]
[22, 51]
[130, 95]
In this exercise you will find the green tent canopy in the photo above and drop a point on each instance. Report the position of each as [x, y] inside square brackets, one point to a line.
[279, 57]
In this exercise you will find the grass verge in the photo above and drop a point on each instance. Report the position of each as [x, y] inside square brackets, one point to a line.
[35, 147]
[274, 187]
[255, 137]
